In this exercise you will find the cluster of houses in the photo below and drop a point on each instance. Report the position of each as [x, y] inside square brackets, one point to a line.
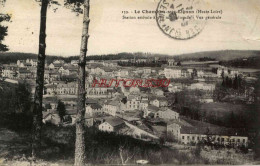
[124, 110]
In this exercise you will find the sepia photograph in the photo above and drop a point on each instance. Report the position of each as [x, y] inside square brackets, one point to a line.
[129, 82]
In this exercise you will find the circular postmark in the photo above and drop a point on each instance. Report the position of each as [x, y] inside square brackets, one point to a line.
[179, 19]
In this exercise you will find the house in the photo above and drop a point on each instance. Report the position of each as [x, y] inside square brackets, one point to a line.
[222, 71]
[33, 62]
[109, 64]
[157, 92]
[54, 75]
[109, 71]
[133, 102]
[175, 87]
[74, 62]
[147, 70]
[55, 66]
[94, 109]
[143, 105]
[171, 62]
[112, 107]
[123, 73]
[9, 72]
[167, 114]
[150, 111]
[112, 125]
[64, 71]
[20, 63]
[24, 73]
[172, 72]
[58, 62]
[202, 86]
[158, 101]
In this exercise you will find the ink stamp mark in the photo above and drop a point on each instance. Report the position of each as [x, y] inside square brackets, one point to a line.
[179, 19]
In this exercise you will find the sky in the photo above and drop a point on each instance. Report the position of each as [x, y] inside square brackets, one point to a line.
[239, 28]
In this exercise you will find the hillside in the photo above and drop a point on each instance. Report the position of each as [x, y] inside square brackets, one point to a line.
[12, 57]
[223, 55]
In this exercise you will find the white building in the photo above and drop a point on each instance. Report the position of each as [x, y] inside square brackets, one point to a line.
[172, 73]
[112, 125]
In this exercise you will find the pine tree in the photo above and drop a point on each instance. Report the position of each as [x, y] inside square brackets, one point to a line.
[3, 31]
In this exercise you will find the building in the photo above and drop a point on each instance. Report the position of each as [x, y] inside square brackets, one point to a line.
[202, 86]
[167, 114]
[175, 87]
[172, 72]
[150, 111]
[112, 107]
[171, 62]
[67, 89]
[133, 102]
[33, 62]
[93, 109]
[216, 135]
[112, 125]
[23, 73]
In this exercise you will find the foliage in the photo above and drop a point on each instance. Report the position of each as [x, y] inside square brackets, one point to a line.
[251, 62]
[15, 104]
[61, 110]
[15, 98]
[187, 103]
[3, 31]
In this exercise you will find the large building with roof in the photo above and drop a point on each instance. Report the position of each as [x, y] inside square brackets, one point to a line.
[215, 134]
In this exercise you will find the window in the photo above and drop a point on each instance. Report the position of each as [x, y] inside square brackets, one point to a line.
[244, 140]
[183, 137]
[193, 138]
[188, 137]
[238, 140]
[222, 139]
[198, 138]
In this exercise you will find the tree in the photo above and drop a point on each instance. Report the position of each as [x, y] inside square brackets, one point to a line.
[80, 152]
[61, 110]
[37, 104]
[125, 154]
[3, 29]
[23, 100]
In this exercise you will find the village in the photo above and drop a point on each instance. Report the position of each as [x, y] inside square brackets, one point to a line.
[149, 113]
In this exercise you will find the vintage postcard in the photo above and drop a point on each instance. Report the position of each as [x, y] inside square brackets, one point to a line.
[129, 82]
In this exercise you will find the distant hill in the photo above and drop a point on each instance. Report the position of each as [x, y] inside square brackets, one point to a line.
[12, 57]
[224, 55]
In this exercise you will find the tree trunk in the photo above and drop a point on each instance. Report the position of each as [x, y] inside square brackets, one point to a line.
[37, 107]
[80, 155]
